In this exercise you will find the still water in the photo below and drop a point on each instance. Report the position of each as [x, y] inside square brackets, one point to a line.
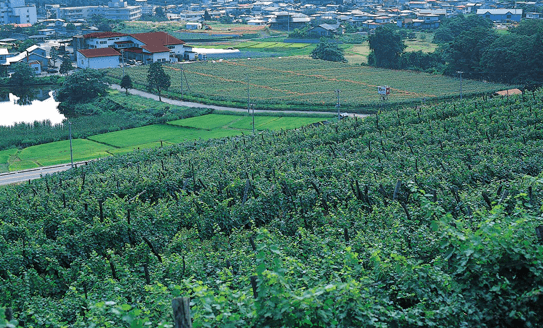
[28, 105]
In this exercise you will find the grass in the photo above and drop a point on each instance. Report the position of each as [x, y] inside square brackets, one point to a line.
[58, 153]
[4, 159]
[206, 122]
[137, 102]
[119, 151]
[151, 136]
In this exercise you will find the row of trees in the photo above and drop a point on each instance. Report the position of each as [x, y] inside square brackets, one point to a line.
[470, 45]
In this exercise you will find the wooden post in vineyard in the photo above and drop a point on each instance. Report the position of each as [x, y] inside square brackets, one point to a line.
[181, 312]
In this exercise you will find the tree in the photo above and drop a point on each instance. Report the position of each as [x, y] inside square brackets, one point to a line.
[66, 65]
[159, 12]
[70, 27]
[126, 83]
[386, 47]
[464, 53]
[207, 16]
[82, 86]
[328, 50]
[23, 74]
[54, 55]
[157, 79]
[25, 45]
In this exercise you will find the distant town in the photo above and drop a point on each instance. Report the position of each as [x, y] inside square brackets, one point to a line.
[82, 31]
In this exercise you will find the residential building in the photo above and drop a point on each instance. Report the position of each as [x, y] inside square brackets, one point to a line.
[501, 15]
[98, 58]
[17, 12]
[116, 9]
[145, 47]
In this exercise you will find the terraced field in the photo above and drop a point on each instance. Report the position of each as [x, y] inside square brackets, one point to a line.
[301, 83]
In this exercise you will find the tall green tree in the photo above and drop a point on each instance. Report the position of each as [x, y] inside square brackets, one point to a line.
[66, 65]
[82, 86]
[328, 50]
[450, 28]
[23, 75]
[126, 83]
[386, 47]
[465, 52]
[157, 79]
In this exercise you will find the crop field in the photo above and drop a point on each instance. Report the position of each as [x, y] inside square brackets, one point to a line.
[152, 136]
[59, 152]
[147, 134]
[206, 122]
[300, 83]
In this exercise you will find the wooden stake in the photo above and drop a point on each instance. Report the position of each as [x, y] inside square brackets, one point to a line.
[181, 312]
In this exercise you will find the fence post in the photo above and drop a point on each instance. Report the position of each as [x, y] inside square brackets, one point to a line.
[181, 312]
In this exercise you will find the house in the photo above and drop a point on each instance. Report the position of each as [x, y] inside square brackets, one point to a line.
[36, 66]
[33, 53]
[145, 47]
[501, 15]
[324, 30]
[534, 15]
[193, 26]
[98, 58]
[4, 53]
[288, 21]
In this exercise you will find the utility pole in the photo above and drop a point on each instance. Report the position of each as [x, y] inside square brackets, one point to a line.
[253, 107]
[71, 150]
[288, 21]
[460, 72]
[248, 95]
[122, 59]
[182, 75]
[337, 105]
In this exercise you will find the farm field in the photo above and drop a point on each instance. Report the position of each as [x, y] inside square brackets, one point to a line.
[420, 217]
[300, 83]
[152, 136]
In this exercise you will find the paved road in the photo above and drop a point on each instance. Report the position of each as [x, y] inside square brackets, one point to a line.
[221, 108]
[25, 175]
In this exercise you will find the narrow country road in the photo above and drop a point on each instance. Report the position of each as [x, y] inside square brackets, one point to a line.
[219, 108]
[31, 174]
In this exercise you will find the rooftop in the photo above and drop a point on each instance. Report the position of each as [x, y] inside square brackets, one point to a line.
[99, 52]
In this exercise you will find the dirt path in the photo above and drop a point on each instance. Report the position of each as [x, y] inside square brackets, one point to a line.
[221, 108]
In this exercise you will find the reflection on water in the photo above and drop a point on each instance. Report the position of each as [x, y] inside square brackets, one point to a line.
[28, 105]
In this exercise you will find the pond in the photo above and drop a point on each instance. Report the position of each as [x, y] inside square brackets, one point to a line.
[28, 105]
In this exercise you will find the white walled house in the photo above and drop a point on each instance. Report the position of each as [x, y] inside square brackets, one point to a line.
[145, 47]
[98, 58]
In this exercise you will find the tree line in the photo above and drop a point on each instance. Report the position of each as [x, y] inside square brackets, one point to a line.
[468, 44]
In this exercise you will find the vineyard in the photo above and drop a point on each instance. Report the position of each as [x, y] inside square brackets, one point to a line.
[300, 83]
[425, 216]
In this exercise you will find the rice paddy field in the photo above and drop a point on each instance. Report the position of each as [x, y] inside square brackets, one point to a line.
[301, 83]
[151, 136]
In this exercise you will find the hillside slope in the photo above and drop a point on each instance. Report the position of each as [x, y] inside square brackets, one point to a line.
[421, 217]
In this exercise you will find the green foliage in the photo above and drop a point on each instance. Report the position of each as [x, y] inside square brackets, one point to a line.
[22, 76]
[126, 83]
[82, 87]
[386, 47]
[157, 79]
[70, 27]
[450, 28]
[66, 65]
[422, 217]
[329, 51]
[22, 46]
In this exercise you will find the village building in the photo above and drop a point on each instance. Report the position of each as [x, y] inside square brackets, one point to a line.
[145, 47]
